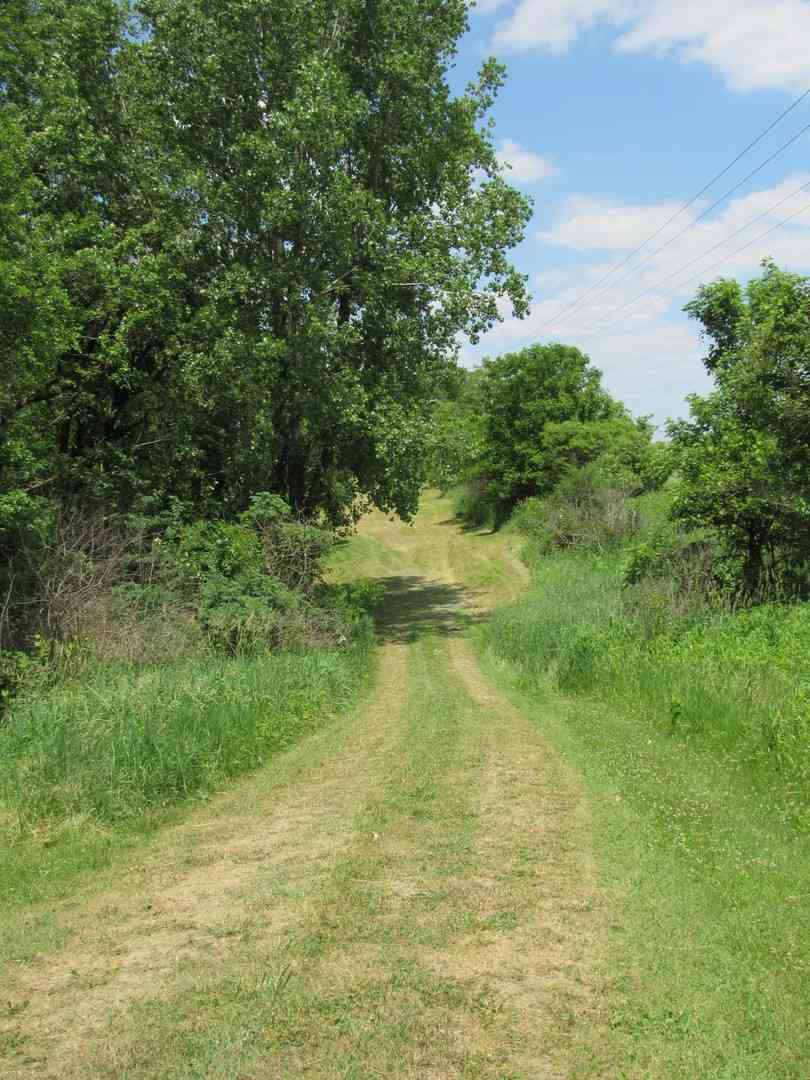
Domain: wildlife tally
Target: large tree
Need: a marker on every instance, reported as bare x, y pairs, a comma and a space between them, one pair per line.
331, 179
544, 410
268, 223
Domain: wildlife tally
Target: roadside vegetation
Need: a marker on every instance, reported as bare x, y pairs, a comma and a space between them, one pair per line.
239, 246
663, 646
173, 665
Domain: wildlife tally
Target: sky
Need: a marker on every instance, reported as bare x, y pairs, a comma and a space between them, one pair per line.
615, 113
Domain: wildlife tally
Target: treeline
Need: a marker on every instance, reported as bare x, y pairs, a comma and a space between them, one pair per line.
536, 430
237, 245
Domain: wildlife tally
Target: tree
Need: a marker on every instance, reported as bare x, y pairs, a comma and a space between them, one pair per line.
265, 229
537, 404
455, 437
344, 240
744, 457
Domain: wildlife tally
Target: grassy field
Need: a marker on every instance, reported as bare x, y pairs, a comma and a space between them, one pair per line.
693, 745
409, 891
510, 861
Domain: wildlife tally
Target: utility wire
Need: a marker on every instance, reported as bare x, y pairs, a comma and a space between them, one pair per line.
707, 270
702, 215
765, 213
683, 209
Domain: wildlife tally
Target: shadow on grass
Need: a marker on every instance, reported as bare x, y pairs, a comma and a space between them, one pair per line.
415, 605
468, 527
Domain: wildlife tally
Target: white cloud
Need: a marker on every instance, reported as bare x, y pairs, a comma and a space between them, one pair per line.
752, 44
650, 353
524, 165
590, 223
555, 24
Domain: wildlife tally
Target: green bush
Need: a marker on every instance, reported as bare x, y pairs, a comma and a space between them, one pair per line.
586, 509
253, 584
473, 503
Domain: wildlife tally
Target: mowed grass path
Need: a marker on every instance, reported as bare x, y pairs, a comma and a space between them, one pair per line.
409, 893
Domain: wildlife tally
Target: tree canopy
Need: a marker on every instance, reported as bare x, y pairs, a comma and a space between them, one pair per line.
238, 244
545, 412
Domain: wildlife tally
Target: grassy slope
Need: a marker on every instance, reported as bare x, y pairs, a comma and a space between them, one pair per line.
709, 974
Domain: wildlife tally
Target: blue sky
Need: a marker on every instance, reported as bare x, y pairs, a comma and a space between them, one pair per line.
614, 114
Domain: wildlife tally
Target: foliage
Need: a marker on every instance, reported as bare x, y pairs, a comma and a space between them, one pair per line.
587, 508
540, 414
238, 243
524, 392
744, 458
455, 438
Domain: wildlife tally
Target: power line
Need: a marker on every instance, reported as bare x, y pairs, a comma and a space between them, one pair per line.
708, 269
765, 213
685, 207
704, 213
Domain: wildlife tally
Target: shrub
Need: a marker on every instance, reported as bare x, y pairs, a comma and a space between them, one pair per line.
294, 554
256, 583
585, 510
473, 503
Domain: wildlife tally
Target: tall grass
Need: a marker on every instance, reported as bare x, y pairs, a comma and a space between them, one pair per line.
735, 682
691, 728
125, 741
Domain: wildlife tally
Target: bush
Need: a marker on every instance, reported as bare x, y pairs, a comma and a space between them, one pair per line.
584, 510
82, 587
254, 584
474, 505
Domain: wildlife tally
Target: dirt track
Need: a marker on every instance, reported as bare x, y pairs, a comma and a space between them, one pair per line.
408, 894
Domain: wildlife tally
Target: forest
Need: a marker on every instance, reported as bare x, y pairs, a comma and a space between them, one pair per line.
241, 245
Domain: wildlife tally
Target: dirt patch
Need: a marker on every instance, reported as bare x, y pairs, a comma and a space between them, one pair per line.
540, 909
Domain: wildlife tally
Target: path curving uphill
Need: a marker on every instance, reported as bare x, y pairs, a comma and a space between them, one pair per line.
409, 894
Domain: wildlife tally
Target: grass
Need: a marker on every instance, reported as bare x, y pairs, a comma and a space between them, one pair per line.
93, 765
379, 902
413, 891
734, 684
407, 958
694, 744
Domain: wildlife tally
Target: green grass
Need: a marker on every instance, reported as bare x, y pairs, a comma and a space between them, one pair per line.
694, 742
95, 765
378, 973
736, 684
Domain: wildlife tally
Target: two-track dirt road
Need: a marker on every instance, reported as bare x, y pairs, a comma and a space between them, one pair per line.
407, 894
